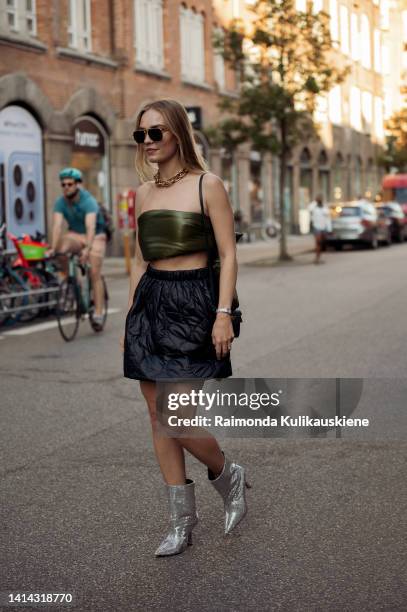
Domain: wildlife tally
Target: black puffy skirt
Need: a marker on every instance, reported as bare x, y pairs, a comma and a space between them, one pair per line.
169, 328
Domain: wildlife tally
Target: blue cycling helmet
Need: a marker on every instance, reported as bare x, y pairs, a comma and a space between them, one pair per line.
72, 173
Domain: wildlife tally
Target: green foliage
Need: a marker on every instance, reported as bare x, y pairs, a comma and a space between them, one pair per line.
283, 61
395, 154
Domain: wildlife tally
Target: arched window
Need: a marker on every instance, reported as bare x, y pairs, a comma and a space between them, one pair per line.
323, 158
305, 157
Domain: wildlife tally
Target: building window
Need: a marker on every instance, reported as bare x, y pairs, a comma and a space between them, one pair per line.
79, 28
378, 118
355, 115
219, 62
317, 6
335, 105
385, 14
367, 111
334, 26
192, 45
388, 109
354, 37
321, 109
385, 59
19, 17
148, 33
365, 37
377, 51
344, 14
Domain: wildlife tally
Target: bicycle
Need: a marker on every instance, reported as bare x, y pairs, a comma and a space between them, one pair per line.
20, 288
75, 299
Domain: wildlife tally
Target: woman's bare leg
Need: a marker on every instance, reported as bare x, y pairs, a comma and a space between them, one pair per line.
169, 452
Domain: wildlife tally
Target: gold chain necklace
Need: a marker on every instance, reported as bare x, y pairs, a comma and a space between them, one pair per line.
168, 182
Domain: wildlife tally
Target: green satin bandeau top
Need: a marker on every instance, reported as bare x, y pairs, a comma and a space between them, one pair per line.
168, 233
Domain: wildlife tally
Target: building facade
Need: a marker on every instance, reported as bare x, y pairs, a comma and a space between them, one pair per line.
76, 72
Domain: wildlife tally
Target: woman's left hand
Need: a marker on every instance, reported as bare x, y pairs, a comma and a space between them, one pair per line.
222, 335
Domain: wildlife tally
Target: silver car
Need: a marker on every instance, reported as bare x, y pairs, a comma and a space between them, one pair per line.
358, 222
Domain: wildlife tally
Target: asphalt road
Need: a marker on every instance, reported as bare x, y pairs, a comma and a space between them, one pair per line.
83, 505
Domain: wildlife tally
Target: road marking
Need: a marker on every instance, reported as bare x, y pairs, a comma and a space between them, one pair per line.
32, 329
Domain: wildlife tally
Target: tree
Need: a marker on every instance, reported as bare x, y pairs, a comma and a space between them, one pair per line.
395, 154
284, 60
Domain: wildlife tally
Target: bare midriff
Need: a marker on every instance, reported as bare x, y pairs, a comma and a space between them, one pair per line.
182, 262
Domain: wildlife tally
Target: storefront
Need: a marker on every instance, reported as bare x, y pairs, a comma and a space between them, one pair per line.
357, 185
306, 193
338, 177
324, 176
227, 174
21, 172
256, 192
90, 153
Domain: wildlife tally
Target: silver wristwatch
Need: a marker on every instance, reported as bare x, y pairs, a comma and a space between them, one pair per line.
223, 309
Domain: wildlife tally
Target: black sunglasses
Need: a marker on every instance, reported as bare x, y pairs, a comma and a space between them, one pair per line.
155, 133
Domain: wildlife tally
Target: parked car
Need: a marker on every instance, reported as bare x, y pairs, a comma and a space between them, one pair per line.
358, 223
398, 221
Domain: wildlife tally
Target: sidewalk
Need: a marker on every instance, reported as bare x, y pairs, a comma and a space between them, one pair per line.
114, 267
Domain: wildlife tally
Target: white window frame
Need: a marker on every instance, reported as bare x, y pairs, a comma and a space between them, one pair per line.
385, 60
344, 25
80, 25
148, 33
192, 28
335, 105
385, 14
367, 111
355, 108
317, 6
377, 50
334, 21
219, 64
366, 52
378, 118
321, 108
21, 16
354, 37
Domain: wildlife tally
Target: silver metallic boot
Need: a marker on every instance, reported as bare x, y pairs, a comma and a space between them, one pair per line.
183, 518
231, 485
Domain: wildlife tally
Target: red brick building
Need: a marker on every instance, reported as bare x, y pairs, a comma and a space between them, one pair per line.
83, 68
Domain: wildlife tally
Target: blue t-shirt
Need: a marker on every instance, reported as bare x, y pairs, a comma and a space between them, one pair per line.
75, 212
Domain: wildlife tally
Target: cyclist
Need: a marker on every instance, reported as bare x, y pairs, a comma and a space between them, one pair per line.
86, 231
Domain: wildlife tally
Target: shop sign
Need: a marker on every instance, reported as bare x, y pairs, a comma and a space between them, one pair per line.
195, 116
88, 138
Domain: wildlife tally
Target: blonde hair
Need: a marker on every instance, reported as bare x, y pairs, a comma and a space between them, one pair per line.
177, 121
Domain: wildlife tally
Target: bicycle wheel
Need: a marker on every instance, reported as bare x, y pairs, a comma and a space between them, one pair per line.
98, 326
29, 280
6, 302
67, 309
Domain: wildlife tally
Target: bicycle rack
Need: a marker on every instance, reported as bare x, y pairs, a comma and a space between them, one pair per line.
28, 294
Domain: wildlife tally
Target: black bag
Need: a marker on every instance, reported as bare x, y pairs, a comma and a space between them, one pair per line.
108, 219
214, 272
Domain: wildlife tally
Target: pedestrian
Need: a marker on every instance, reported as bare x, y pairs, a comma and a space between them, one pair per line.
321, 225
172, 332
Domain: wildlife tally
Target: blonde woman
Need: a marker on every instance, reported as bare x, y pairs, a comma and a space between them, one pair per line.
171, 331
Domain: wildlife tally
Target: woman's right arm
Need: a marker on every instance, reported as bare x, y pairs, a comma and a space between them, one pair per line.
138, 266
